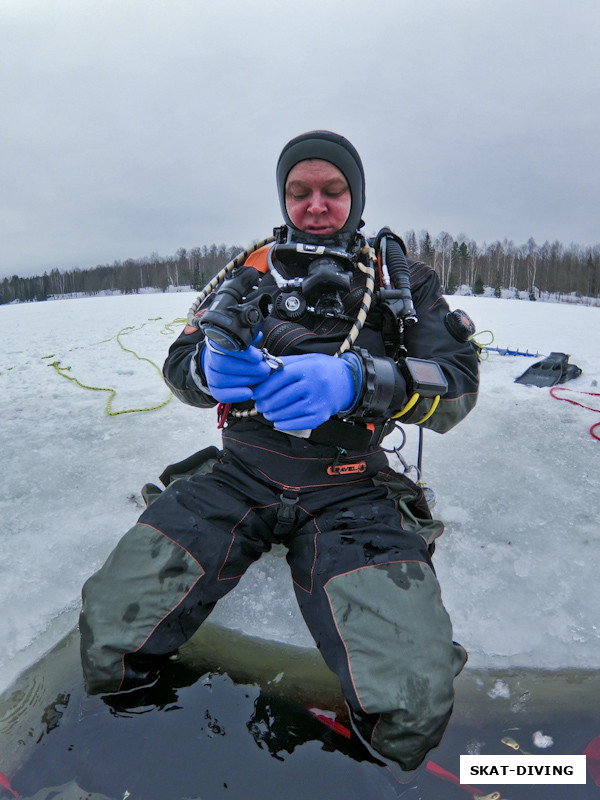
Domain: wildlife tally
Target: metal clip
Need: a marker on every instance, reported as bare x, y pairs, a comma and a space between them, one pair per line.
274, 362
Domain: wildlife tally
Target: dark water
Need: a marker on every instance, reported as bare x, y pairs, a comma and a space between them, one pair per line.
205, 734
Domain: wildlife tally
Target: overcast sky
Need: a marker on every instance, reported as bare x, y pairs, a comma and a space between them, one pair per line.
129, 127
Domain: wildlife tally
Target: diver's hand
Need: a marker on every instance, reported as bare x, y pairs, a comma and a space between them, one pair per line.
230, 376
307, 391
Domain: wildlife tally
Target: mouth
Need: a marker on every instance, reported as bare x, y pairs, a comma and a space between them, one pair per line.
319, 229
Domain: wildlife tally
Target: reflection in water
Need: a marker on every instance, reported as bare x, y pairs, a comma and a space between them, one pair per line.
205, 733
191, 736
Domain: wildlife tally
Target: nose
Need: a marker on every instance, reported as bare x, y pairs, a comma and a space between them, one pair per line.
317, 204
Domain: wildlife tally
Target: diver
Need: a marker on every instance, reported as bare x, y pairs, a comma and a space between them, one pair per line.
333, 339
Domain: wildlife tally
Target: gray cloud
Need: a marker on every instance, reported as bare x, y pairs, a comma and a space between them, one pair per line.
135, 127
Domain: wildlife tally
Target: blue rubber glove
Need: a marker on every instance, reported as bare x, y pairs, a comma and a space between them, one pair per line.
309, 390
230, 376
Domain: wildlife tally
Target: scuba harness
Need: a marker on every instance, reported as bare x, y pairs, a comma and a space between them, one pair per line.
230, 319
231, 308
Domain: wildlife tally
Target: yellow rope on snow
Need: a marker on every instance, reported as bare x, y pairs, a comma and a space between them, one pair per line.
168, 326
112, 392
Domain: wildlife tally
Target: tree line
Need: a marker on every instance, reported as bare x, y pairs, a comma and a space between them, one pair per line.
538, 270
192, 268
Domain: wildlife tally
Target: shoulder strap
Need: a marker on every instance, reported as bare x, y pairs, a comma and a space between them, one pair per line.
259, 259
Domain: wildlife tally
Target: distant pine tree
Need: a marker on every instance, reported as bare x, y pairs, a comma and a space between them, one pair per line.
426, 252
411, 243
452, 283
498, 285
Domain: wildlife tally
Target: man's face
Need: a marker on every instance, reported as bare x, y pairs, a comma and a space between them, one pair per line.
317, 197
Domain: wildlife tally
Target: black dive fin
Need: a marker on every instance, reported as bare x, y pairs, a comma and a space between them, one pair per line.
554, 369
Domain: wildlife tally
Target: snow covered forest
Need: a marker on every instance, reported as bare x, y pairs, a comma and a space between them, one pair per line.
538, 271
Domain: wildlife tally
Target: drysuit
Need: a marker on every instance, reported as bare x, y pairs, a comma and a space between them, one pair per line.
358, 534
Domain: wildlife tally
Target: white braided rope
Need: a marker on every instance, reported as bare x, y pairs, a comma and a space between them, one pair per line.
368, 269
221, 275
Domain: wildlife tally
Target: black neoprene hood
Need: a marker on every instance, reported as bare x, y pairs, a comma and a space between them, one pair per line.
336, 149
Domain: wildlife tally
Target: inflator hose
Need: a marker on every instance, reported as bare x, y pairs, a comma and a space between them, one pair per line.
399, 274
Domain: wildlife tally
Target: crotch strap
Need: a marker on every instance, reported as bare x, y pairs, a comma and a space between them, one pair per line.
287, 513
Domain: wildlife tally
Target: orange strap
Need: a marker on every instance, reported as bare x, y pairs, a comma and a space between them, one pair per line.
259, 259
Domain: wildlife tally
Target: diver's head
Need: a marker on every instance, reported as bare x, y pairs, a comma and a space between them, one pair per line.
321, 184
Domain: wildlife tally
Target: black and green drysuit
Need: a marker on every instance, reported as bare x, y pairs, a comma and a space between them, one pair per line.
358, 534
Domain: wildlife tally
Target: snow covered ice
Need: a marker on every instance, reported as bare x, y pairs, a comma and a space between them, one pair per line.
517, 482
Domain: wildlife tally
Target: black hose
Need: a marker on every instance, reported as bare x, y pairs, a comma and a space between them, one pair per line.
399, 273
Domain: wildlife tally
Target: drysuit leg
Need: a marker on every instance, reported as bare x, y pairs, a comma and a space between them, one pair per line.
188, 549
370, 597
